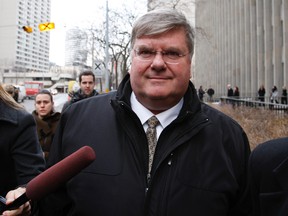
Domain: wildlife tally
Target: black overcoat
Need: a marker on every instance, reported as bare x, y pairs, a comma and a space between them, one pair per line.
21, 157
199, 168
268, 170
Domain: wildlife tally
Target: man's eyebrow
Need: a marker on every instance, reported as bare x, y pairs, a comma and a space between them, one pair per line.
165, 49
144, 47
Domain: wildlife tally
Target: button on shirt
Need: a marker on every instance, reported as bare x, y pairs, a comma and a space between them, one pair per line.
165, 118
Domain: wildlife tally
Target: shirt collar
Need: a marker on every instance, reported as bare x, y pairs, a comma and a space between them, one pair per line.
165, 118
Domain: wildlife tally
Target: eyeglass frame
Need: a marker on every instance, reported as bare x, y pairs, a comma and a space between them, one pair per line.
163, 54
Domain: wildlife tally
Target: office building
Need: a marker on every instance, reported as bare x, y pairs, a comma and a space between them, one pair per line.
21, 51
242, 43
76, 51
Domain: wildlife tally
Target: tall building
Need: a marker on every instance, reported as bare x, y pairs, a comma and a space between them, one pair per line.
21, 51
244, 43
76, 47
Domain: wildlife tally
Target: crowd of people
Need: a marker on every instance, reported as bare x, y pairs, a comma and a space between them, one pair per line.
234, 93
160, 150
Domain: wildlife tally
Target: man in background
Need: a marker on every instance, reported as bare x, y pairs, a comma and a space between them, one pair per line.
87, 84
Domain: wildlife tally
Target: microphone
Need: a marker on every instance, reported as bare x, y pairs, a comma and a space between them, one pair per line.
52, 178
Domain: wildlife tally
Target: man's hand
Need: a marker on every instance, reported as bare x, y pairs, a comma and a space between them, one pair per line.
23, 210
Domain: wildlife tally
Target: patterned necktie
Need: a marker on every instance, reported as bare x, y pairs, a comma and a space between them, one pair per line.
151, 134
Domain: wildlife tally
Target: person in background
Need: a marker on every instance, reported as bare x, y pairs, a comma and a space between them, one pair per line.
236, 92
21, 157
229, 91
210, 93
201, 93
87, 84
261, 93
160, 151
10, 89
16, 93
284, 95
46, 119
268, 176
274, 95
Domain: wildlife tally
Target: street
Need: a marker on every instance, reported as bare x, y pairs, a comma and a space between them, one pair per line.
59, 100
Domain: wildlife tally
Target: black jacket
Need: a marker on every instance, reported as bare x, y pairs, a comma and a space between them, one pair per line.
269, 178
21, 157
77, 96
199, 168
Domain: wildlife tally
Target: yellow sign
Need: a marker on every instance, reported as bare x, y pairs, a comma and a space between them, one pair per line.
46, 26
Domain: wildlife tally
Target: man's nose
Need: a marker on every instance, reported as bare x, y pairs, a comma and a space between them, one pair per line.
158, 62
159, 57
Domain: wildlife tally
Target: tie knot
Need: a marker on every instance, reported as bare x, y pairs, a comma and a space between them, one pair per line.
153, 122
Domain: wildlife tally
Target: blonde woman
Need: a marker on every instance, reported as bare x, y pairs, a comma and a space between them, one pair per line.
21, 157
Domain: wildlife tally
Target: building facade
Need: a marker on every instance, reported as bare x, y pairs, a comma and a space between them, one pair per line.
242, 43
21, 51
76, 47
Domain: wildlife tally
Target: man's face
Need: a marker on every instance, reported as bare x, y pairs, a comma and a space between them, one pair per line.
87, 84
157, 84
43, 105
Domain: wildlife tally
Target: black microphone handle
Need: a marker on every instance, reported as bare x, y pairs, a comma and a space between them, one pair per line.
15, 204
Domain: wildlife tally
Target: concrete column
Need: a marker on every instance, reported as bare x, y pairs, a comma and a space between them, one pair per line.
285, 39
253, 39
260, 42
237, 43
277, 43
230, 41
226, 44
233, 41
215, 66
218, 47
269, 78
222, 87
247, 48
242, 45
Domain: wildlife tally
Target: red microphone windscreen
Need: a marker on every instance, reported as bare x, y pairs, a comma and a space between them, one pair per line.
60, 173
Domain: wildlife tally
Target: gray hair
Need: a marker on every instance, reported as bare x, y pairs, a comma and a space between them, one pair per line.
163, 20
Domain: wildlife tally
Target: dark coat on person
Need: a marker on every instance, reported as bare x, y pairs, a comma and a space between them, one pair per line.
77, 96
210, 92
201, 93
199, 167
21, 157
261, 94
230, 92
269, 178
46, 128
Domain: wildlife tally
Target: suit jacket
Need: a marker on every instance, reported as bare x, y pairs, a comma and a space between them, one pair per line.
268, 171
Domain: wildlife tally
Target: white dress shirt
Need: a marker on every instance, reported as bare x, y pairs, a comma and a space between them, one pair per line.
165, 118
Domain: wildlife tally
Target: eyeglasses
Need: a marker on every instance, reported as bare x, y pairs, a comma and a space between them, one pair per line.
169, 57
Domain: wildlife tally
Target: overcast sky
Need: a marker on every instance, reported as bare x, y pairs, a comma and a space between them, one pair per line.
69, 13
